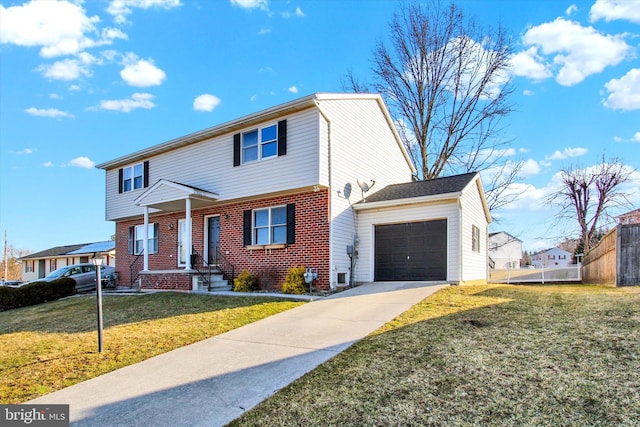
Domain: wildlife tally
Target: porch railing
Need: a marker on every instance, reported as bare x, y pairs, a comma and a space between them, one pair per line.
227, 269
201, 266
134, 269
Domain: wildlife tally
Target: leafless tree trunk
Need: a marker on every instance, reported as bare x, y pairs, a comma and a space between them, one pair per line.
587, 195
446, 83
13, 266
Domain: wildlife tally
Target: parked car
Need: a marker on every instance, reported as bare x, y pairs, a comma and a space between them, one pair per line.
10, 283
83, 274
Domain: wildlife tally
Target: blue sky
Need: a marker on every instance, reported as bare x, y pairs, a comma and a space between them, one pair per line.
82, 83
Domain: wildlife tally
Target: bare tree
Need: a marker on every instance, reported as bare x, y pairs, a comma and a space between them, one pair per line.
446, 83
587, 196
13, 266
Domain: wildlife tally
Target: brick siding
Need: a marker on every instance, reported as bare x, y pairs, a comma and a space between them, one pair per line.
311, 247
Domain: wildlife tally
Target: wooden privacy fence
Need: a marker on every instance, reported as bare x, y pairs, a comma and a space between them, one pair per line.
616, 259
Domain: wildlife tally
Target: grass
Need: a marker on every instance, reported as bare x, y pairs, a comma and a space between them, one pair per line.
481, 355
51, 346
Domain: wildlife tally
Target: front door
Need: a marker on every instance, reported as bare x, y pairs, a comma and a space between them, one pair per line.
182, 242
213, 228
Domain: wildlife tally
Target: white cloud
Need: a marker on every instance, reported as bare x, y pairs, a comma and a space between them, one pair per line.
568, 152
577, 51
571, 10
529, 168
610, 10
121, 8
137, 100
293, 89
206, 102
26, 151
51, 112
617, 139
624, 93
141, 73
264, 31
74, 88
528, 92
298, 13
529, 64
636, 137
59, 28
251, 4
54, 96
82, 162
67, 69
47, 164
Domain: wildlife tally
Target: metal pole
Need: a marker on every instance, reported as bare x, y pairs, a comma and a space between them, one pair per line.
99, 306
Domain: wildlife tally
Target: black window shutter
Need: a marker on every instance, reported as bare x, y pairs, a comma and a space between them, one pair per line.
120, 178
246, 237
236, 149
282, 137
132, 238
145, 171
291, 223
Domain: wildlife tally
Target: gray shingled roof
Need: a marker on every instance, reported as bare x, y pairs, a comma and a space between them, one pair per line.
81, 248
431, 187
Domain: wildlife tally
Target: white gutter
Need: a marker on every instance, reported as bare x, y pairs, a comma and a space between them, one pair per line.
407, 201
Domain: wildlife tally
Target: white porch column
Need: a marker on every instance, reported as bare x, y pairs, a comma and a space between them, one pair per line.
188, 237
145, 242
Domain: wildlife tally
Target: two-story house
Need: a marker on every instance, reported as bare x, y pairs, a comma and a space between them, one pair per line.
551, 258
505, 250
323, 181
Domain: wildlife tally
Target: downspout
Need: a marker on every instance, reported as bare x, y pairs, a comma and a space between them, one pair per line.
326, 118
460, 233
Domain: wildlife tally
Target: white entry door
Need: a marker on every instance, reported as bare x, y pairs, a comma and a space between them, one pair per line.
182, 239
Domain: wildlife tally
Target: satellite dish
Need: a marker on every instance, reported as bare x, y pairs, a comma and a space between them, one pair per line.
364, 187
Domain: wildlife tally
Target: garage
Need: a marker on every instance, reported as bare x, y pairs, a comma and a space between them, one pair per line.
413, 251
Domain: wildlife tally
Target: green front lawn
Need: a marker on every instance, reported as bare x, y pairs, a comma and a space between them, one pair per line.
51, 346
481, 356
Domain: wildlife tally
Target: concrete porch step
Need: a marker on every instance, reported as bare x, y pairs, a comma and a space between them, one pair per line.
216, 283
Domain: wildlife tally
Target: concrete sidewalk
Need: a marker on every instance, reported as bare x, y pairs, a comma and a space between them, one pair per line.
212, 382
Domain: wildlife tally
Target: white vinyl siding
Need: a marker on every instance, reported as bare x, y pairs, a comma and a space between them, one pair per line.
368, 219
474, 263
208, 165
362, 147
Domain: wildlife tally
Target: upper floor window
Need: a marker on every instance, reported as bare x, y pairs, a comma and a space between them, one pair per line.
133, 177
262, 143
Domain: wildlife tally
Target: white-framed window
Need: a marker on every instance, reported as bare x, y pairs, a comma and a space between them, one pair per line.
475, 238
259, 144
270, 225
29, 266
136, 239
132, 177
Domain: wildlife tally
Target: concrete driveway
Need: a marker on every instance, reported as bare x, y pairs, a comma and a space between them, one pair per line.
212, 382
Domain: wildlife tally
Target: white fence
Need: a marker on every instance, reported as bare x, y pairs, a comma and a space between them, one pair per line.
537, 275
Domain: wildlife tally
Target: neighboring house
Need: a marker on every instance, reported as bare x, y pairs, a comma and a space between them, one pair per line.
39, 264
551, 258
284, 187
505, 251
632, 217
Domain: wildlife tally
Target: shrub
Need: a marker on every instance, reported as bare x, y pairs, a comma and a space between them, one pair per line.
36, 293
246, 282
294, 282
